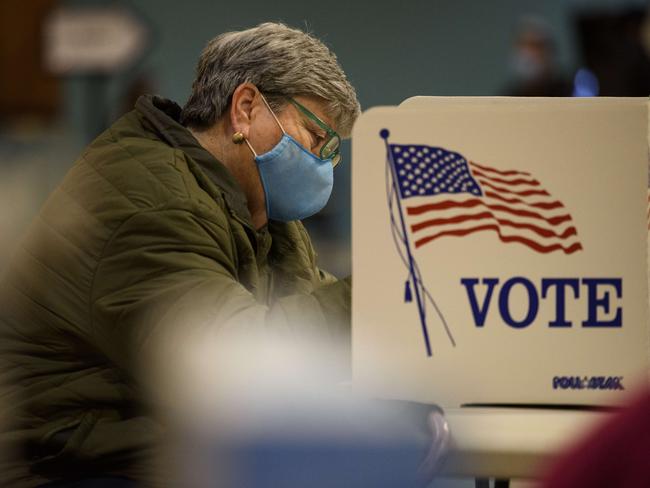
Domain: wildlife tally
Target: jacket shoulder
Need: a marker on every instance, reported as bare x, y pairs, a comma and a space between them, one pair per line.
143, 169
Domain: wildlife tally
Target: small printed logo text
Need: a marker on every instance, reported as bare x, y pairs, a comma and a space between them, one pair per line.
588, 383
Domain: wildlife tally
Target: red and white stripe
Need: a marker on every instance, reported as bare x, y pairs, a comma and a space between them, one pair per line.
515, 206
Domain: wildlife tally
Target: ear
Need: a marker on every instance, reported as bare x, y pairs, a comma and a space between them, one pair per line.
244, 100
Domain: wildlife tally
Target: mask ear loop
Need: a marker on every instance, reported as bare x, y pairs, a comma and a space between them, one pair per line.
250, 147
274, 116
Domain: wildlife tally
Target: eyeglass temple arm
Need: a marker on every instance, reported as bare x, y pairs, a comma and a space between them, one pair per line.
272, 113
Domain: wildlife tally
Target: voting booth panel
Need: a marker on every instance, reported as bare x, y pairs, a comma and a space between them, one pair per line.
500, 250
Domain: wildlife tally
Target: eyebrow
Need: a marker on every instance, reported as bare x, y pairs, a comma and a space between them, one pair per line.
316, 121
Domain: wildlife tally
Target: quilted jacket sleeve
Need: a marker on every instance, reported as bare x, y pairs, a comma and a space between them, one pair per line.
168, 277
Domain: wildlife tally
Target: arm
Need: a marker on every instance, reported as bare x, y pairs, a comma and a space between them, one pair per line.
168, 276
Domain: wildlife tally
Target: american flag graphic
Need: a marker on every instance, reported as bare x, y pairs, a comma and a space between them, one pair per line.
444, 194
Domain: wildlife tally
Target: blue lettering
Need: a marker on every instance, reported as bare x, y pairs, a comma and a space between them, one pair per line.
504, 298
479, 313
603, 297
594, 302
560, 285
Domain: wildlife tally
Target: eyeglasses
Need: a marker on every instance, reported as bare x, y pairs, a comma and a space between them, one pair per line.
332, 144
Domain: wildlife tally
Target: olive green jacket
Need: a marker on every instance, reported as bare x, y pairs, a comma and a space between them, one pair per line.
146, 229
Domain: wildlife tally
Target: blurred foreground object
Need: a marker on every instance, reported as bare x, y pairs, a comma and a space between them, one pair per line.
616, 453
280, 420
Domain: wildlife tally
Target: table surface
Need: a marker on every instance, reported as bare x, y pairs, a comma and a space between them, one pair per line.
511, 442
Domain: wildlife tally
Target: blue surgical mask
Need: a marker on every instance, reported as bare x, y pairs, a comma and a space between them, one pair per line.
297, 184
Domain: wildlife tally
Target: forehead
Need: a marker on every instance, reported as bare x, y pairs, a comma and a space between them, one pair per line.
317, 106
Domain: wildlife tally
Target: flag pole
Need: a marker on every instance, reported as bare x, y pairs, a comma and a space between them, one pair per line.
384, 133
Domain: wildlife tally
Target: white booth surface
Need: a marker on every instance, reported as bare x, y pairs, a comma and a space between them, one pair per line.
500, 251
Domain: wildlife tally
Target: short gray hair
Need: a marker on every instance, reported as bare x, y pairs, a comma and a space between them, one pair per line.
282, 62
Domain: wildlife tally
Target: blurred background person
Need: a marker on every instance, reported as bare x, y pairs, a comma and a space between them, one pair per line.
534, 68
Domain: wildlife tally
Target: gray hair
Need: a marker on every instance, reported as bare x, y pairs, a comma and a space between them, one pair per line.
282, 62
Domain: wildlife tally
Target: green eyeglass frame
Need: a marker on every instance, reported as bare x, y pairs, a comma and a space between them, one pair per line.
332, 145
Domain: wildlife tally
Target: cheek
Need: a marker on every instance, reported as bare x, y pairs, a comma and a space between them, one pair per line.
301, 135
305, 140
263, 138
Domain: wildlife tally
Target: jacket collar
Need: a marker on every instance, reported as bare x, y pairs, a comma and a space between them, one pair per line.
164, 116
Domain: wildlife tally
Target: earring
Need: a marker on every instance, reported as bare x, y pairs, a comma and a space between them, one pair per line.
238, 138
